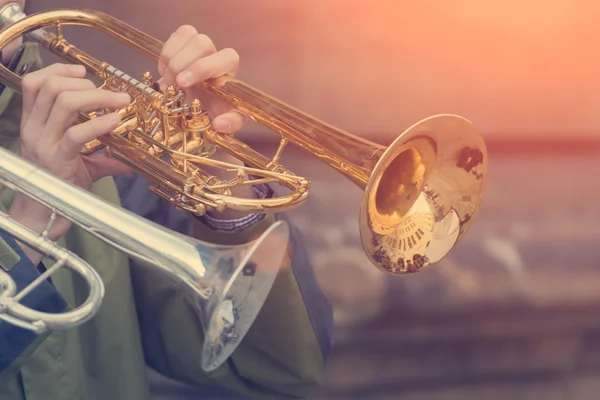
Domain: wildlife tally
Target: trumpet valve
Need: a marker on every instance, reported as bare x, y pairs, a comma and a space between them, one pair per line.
196, 108
170, 93
196, 119
147, 78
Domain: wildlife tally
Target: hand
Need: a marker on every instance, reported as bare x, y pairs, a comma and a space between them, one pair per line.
52, 99
189, 58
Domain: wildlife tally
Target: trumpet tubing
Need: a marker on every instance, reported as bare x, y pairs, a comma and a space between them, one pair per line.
227, 285
421, 193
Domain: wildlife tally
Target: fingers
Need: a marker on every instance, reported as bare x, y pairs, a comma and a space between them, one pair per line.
51, 89
189, 58
69, 103
172, 46
33, 82
230, 122
196, 48
76, 136
224, 62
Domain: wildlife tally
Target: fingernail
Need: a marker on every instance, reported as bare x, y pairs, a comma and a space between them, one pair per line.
76, 67
184, 78
222, 125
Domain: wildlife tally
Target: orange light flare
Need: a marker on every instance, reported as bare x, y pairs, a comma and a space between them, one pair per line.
513, 67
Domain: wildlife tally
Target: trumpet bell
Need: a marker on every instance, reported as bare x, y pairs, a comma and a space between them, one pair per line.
238, 282
226, 285
422, 194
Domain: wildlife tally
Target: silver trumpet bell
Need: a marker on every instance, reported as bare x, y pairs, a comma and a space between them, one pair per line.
227, 285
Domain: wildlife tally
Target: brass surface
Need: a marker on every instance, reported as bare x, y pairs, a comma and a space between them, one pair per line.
421, 192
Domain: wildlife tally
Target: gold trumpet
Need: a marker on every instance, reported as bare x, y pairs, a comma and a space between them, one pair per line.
421, 192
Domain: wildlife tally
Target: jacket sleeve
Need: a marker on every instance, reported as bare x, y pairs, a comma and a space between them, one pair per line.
16, 343
284, 353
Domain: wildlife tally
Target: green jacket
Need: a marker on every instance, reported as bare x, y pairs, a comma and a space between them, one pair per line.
144, 322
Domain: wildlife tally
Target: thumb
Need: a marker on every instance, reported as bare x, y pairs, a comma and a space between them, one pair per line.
230, 122
101, 165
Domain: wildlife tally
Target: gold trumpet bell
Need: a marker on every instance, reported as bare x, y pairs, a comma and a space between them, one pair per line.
422, 194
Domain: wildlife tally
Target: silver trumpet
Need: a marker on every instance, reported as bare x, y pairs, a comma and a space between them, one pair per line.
227, 284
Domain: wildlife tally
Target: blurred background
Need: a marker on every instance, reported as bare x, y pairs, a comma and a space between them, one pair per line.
513, 313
